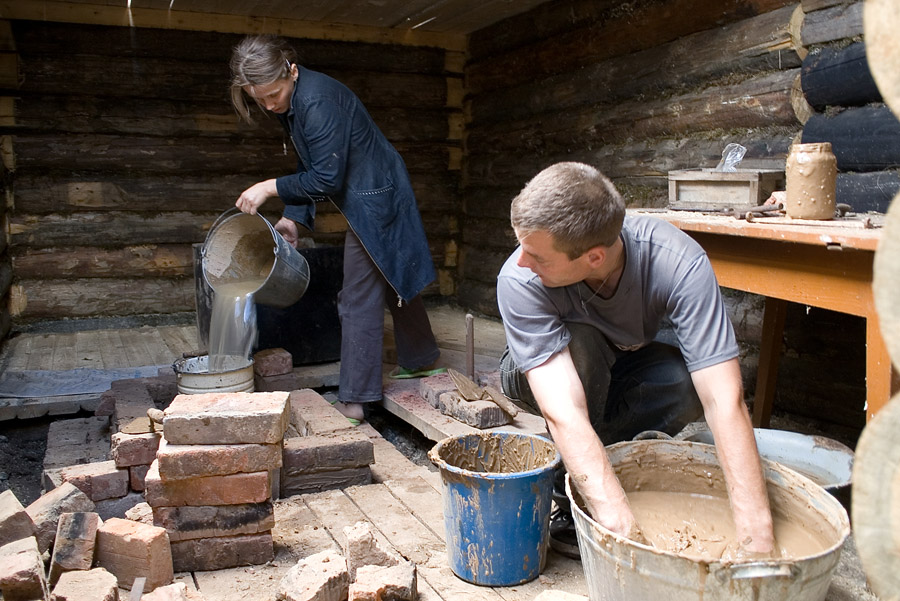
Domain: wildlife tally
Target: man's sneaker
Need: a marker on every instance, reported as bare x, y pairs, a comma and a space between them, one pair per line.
563, 538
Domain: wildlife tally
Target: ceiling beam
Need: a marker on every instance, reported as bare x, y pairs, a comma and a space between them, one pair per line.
105, 14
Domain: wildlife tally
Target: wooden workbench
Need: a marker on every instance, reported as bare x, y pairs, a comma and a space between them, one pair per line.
821, 264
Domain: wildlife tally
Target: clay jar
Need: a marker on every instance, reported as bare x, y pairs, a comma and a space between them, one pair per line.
810, 176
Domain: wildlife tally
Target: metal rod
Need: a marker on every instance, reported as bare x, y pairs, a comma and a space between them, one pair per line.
470, 346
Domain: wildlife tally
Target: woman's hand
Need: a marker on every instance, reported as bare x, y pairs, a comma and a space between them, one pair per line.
253, 197
288, 230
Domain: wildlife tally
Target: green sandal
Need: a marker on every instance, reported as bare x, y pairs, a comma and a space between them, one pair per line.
353, 421
401, 373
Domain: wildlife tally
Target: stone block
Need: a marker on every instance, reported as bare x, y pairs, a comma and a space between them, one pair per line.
227, 418
131, 549
385, 583
301, 484
233, 489
179, 461
133, 449
311, 414
99, 481
76, 441
15, 523
343, 449
136, 476
22, 571
324, 375
319, 577
272, 362
211, 521
224, 552
361, 549
74, 545
89, 585
478, 414
47, 508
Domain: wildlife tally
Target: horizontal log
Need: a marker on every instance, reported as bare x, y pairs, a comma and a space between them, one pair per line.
482, 264
478, 296
65, 192
151, 260
47, 38
61, 299
863, 139
6, 276
212, 156
831, 24
755, 102
122, 77
621, 32
483, 202
174, 118
544, 21
486, 233
866, 192
838, 77
757, 44
644, 159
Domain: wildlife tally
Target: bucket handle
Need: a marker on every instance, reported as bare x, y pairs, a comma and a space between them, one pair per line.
746, 571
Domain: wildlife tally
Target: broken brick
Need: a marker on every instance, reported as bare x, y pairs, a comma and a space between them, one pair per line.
385, 583
272, 362
131, 549
22, 571
319, 577
74, 545
133, 449
86, 585
15, 523
99, 481
47, 508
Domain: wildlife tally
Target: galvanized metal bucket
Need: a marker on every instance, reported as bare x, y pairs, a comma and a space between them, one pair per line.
192, 375
826, 462
618, 569
242, 247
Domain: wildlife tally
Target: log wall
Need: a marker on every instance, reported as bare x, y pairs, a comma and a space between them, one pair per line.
127, 149
635, 89
845, 106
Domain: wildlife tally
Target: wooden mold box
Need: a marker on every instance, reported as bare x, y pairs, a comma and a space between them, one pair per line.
706, 189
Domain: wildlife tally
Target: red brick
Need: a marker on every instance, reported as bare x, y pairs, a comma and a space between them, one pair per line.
136, 476
320, 576
196, 460
227, 418
222, 552
361, 549
132, 401
15, 523
385, 583
45, 511
185, 523
89, 585
22, 571
432, 387
311, 414
301, 484
232, 489
272, 362
133, 449
131, 549
309, 454
99, 481
74, 545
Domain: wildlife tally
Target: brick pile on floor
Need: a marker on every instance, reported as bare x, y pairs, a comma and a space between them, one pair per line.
211, 484
90, 559
367, 571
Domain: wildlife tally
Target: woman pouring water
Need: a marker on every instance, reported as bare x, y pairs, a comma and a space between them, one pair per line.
344, 158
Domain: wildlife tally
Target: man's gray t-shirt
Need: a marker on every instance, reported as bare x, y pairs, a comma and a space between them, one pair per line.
667, 275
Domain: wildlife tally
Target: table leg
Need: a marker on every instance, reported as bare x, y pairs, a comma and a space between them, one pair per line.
769, 354
881, 378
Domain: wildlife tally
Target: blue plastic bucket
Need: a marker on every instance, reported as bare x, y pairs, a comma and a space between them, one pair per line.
497, 491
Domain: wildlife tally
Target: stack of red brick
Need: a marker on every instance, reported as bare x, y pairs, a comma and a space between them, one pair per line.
211, 485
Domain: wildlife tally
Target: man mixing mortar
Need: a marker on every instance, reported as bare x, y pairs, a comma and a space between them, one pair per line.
582, 300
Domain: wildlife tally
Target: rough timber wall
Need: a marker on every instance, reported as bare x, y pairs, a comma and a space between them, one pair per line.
127, 149
636, 89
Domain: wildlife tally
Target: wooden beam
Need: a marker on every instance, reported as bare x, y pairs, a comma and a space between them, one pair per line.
103, 14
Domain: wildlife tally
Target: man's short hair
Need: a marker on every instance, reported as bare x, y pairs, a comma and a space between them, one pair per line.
574, 203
